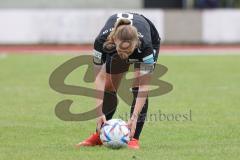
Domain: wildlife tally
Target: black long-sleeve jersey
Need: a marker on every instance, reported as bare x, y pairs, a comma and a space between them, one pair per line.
148, 35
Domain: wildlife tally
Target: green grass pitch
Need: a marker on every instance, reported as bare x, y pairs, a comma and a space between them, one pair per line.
209, 86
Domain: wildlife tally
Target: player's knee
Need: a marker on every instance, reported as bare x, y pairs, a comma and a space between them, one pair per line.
109, 87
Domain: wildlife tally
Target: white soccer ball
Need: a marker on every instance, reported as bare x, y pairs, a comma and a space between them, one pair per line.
115, 134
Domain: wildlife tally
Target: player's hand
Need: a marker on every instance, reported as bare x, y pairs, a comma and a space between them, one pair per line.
100, 121
132, 123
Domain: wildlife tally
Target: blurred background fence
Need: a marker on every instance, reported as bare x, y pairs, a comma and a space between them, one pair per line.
79, 21
181, 4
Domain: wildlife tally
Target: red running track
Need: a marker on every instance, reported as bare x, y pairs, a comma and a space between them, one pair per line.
80, 48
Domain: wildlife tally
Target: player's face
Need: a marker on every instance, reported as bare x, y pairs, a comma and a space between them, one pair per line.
126, 47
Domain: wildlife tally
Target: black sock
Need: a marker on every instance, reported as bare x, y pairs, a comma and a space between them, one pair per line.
109, 104
142, 116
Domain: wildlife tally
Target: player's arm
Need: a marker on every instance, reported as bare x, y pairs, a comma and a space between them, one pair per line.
99, 82
99, 73
145, 72
146, 69
144, 80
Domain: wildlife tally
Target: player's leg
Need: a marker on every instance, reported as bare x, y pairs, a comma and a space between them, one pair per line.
109, 78
115, 69
110, 94
99, 62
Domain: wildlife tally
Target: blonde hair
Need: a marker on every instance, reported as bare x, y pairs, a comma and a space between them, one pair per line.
125, 32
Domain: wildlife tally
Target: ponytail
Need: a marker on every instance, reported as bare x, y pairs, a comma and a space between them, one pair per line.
109, 44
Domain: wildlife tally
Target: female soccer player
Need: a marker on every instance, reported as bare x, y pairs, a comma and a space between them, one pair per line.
126, 38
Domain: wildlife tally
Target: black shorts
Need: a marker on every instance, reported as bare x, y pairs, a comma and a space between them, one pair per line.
115, 65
